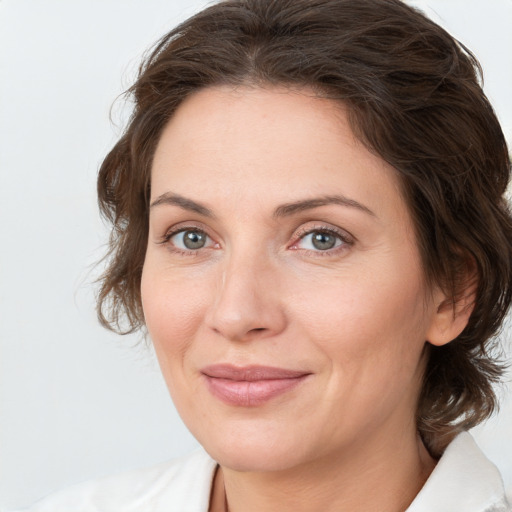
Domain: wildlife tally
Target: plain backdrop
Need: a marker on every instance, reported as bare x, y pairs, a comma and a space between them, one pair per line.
76, 401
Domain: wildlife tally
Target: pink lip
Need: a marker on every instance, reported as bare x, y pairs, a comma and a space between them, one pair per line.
250, 386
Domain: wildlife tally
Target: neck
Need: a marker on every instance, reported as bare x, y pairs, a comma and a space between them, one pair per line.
375, 476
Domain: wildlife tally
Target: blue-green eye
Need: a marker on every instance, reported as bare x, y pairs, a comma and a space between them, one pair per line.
320, 240
190, 239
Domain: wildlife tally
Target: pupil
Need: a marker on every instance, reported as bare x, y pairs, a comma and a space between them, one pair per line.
194, 240
323, 241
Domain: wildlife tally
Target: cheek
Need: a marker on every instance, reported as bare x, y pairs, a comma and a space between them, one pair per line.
373, 337
173, 310
368, 322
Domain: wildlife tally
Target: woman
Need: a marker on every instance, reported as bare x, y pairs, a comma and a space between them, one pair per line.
308, 219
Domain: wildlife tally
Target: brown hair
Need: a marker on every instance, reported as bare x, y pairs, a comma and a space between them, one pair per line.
414, 98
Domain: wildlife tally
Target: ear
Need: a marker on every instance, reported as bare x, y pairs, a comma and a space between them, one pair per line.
451, 315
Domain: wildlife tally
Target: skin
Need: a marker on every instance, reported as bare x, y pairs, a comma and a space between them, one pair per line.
356, 317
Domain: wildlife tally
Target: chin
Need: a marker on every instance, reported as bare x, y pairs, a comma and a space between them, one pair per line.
262, 452
255, 459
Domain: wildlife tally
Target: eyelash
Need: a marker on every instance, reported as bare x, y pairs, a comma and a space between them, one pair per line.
180, 229
345, 238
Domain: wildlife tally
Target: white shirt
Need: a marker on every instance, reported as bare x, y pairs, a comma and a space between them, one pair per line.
464, 480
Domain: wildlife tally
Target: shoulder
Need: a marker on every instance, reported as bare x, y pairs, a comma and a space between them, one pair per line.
181, 485
464, 479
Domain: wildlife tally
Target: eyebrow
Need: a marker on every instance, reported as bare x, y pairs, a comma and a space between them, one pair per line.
186, 204
308, 204
284, 210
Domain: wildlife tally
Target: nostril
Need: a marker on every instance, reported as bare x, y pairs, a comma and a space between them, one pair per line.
256, 332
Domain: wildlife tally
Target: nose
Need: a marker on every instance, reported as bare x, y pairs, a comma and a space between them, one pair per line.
248, 303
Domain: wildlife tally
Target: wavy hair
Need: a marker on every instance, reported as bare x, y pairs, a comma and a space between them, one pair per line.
414, 98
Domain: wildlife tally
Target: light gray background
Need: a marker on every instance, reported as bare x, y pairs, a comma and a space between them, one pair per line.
77, 402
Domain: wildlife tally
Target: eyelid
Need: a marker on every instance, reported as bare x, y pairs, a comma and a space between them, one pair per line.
174, 230
346, 238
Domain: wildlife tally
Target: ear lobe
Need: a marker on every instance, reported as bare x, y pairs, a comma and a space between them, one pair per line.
451, 315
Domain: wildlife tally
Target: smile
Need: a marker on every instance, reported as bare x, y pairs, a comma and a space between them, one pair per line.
250, 386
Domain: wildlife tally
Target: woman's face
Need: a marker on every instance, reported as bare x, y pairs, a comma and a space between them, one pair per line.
282, 285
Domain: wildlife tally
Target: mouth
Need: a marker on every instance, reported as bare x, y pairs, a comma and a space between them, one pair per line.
250, 386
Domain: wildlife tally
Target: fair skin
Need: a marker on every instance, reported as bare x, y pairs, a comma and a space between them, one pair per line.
241, 271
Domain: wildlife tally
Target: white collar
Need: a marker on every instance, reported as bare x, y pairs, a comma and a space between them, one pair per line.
464, 480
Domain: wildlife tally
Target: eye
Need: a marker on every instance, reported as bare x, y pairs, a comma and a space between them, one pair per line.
189, 239
322, 240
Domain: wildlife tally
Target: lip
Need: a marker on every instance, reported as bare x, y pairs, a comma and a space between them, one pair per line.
250, 386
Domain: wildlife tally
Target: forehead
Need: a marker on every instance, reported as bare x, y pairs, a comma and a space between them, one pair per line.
268, 145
